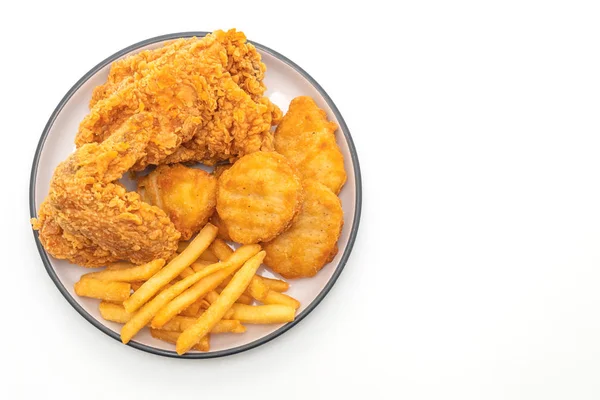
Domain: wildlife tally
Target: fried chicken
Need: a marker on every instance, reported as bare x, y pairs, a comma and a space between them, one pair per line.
225, 118
187, 195
91, 220
307, 139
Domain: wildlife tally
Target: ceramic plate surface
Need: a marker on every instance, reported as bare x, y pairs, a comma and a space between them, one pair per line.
284, 80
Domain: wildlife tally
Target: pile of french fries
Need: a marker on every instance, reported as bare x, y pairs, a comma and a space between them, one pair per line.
207, 288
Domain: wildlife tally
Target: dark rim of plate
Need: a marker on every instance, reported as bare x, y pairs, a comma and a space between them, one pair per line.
234, 350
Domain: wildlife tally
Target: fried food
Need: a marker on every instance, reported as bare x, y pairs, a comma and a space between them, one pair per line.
205, 285
132, 274
269, 314
103, 290
307, 139
218, 222
311, 241
89, 219
258, 197
187, 195
205, 93
171, 270
217, 310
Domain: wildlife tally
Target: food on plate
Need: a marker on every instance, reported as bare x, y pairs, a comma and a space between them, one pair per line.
149, 309
179, 324
218, 222
131, 274
187, 195
276, 284
207, 284
203, 113
307, 139
90, 220
311, 241
258, 197
114, 312
167, 264
171, 337
219, 308
268, 314
103, 290
171, 270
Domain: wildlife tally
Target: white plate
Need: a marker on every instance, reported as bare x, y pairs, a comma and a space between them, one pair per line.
284, 80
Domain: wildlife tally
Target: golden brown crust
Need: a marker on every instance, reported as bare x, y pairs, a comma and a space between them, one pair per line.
206, 93
187, 195
90, 220
311, 242
258, 197
307, 139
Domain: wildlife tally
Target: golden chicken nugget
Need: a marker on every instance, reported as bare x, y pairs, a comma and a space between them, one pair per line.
311, 241
258, 197
307, 139
187, 195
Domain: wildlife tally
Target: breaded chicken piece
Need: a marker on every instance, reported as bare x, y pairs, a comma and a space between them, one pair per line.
258, 197
187, 195
238, 121
85, 210
180, 90
307, 139
311, 241
243, 63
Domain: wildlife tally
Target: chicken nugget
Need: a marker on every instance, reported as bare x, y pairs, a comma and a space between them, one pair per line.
187, 195
258, 197
307, 139
311, 241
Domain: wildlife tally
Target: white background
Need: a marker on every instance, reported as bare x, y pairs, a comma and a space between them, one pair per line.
476, 273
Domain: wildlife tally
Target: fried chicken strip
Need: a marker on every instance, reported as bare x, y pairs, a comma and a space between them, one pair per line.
89, 219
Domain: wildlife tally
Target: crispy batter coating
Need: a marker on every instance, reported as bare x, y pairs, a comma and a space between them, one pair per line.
311, 241
179, 89
90, 220
223, 233
187, 195
307, 139
225, 115
258, 197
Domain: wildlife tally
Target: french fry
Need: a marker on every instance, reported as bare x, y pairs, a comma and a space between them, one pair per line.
193, 310
103, 290
276, 284
218, 309
221, 249
148, 310
171, 337
211, 296
204, 286
269, 314
135, 273
258, 289
172, 269
244, 299
208, 256
136, 285
186, 272
119, 265
179, 324
114, 312
199, 265
274, 297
